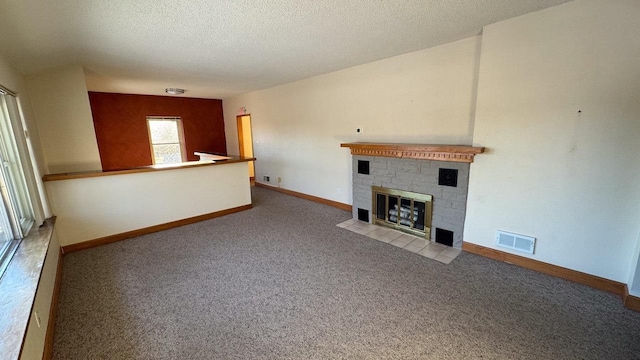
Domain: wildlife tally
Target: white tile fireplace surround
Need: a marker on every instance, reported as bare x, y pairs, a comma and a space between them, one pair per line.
402, 167
420, 246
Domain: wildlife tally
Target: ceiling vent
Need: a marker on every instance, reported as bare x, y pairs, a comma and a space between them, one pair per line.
515, 242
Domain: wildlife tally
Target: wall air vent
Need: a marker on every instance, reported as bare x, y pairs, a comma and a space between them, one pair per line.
363, 167
363, 215
515, 242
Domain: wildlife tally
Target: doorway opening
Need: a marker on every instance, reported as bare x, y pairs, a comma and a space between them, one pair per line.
245, 141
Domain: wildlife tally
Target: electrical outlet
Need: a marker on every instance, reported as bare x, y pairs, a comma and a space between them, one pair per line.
359, 130
265, 178
35, 314
279, 179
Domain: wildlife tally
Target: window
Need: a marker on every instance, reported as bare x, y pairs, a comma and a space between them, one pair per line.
167, 140
16, 213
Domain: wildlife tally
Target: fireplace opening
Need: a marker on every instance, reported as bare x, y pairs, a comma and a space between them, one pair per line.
402, 210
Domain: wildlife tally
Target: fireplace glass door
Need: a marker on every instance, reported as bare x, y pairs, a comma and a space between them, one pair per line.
402, 210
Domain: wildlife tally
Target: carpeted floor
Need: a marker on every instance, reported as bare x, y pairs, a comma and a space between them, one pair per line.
281, 281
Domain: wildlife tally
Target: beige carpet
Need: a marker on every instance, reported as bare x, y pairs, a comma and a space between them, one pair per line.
281, 281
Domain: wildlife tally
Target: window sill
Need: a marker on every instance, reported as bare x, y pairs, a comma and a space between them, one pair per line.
18, 288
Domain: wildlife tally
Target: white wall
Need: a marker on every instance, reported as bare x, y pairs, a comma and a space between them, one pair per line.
569, 178
95, 207
63, 115
426, 96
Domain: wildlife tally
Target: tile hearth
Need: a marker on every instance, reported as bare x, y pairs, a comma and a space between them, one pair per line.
420, 246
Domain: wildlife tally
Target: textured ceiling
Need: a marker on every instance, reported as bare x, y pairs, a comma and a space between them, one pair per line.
216, 48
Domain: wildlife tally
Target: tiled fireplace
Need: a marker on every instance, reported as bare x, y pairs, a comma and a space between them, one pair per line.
442, 176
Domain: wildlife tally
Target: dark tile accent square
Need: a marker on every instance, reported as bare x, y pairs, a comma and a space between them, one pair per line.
448, 177
363, 215
444, 237
363, 167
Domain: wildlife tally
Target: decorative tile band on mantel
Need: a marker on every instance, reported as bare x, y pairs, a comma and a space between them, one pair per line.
455, 153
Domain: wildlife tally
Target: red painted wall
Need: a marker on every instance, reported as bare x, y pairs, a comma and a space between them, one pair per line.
120, 121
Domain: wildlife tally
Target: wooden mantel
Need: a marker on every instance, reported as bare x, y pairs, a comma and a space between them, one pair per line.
457, 153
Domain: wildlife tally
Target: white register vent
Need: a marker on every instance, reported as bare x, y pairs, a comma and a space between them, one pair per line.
515, 241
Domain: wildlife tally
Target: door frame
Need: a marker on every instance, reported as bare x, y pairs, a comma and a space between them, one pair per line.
241, 144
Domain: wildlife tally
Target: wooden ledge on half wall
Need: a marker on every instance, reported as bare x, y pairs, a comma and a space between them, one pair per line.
95, 210
141, 169
456, 153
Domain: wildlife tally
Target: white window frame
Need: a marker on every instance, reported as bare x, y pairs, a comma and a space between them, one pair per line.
178, 121
14, 191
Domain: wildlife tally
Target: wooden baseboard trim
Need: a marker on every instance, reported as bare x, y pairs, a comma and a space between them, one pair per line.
630, 301
151, 229
335, 204
549, 269
53, 311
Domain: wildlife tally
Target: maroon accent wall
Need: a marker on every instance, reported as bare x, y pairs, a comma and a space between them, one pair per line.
120, 121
